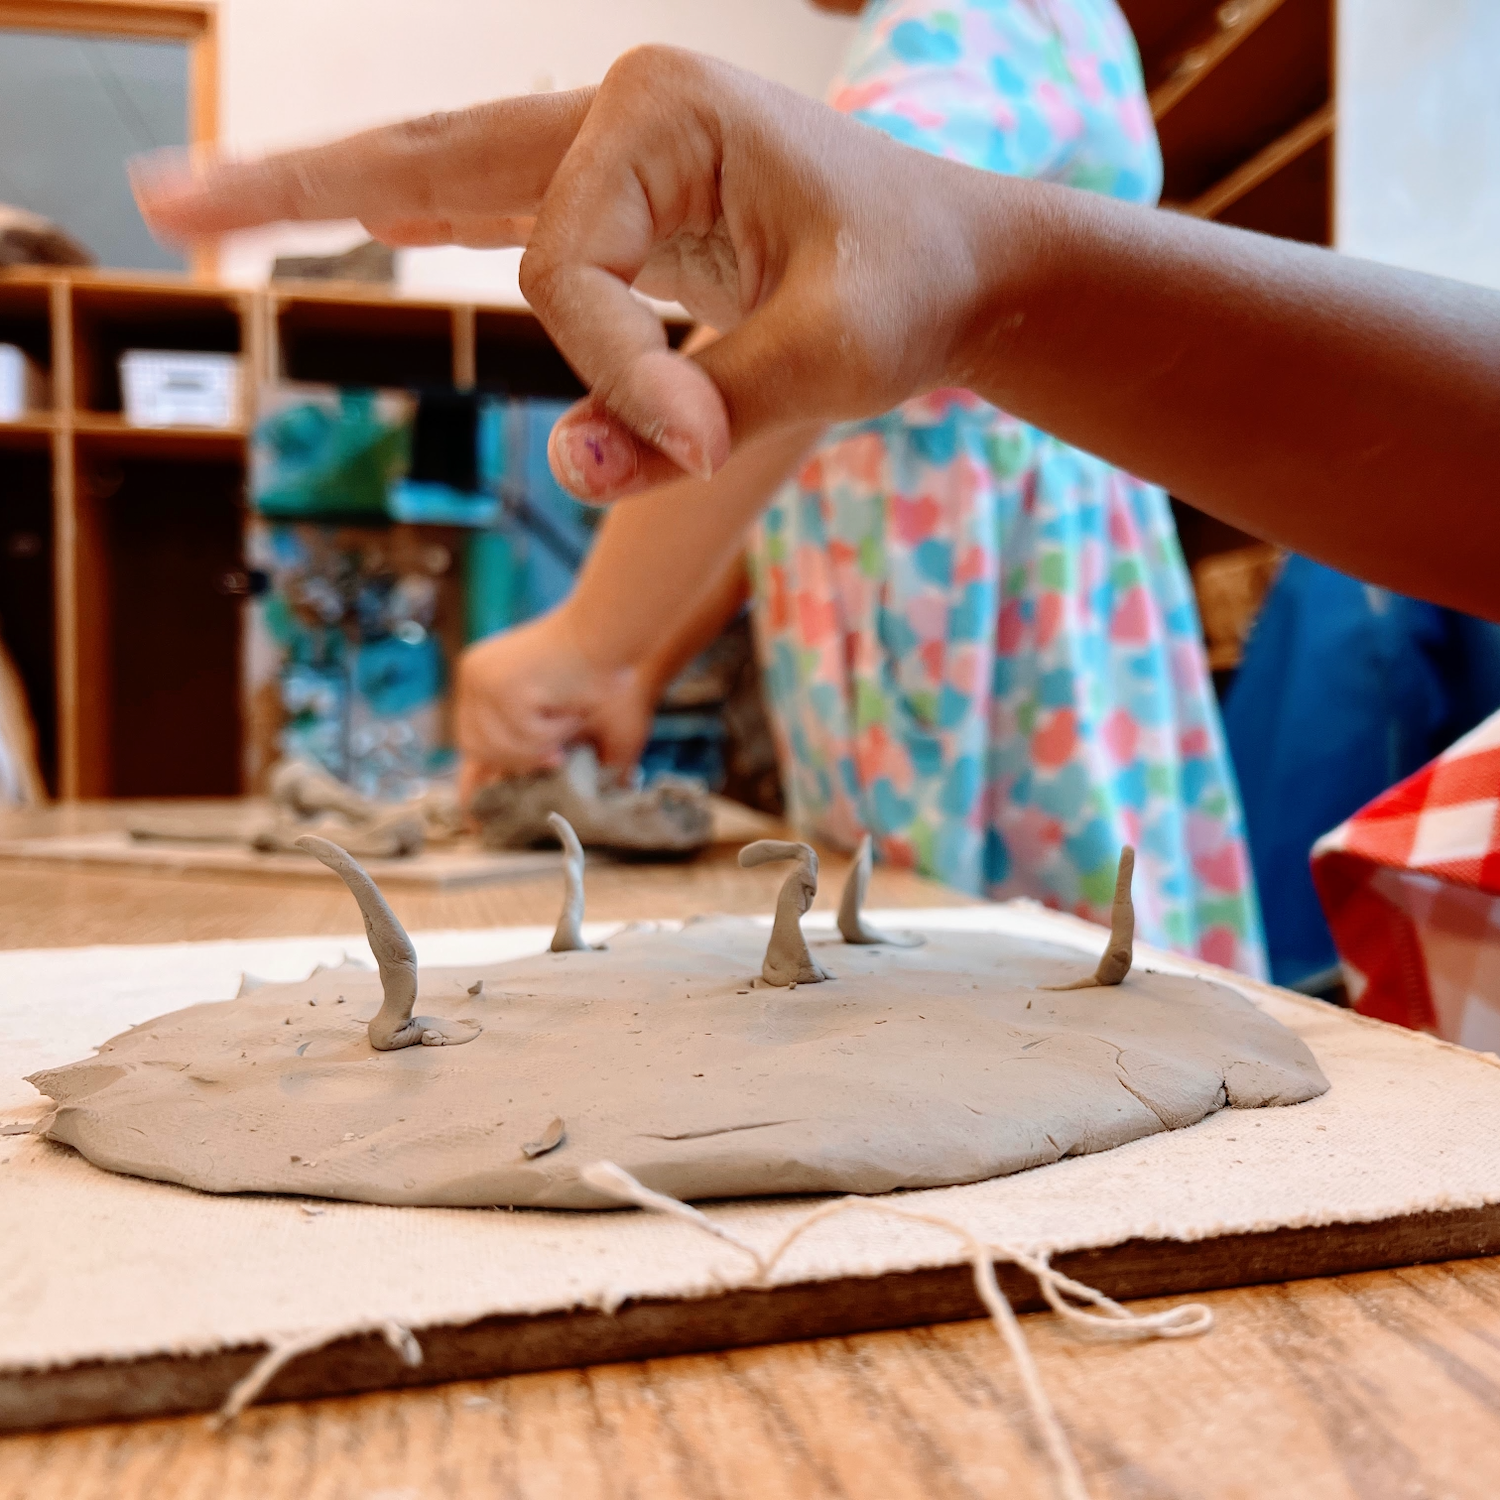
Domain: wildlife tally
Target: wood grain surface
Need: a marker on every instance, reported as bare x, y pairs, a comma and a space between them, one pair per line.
1381, 1386
46, 906
1374, 1387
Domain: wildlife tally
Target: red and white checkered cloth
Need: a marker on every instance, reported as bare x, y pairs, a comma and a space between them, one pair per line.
1411, 888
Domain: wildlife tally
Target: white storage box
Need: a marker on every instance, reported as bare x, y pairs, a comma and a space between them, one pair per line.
172, 388
23, 387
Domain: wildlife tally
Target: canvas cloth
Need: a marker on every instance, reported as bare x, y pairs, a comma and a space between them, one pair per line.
1411, 888
98, 1266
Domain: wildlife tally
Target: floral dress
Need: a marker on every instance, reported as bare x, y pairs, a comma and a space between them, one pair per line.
979, 643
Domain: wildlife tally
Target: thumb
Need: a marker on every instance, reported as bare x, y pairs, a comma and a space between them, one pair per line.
667, 413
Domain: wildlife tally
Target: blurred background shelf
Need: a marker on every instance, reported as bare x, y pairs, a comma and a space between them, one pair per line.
122, 548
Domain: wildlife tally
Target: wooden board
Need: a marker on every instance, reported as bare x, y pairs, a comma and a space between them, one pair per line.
440, 869
494, 1346
433, 869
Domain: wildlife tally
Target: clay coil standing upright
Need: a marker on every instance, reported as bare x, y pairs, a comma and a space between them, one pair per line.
1119, 952
393, 1026
787, 960
852, 924
568, 937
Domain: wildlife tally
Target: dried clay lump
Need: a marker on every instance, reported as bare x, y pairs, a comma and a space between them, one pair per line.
707, 1062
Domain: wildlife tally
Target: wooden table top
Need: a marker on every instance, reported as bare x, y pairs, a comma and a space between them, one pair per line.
44, 905
1380, 1386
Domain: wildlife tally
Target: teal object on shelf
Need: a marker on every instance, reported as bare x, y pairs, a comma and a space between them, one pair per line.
493, 584
332, 458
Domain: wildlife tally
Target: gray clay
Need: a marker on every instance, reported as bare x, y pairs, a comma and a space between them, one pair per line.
393, 1026
787, 960
549, 1140
305, 799
568, 937
1119, 951
670, 817
852, 924
305, 790
398, 833
919, 1068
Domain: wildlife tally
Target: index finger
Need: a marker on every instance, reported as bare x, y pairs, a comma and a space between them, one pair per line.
492, 161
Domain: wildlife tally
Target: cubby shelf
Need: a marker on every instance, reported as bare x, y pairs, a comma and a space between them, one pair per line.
1242, 94
116, 541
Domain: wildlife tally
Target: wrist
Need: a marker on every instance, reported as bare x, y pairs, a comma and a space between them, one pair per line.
1007, 226
597, 650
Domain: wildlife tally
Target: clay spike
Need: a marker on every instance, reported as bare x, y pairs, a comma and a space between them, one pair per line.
1119, 952
393, 1026
568, 938
787, 960
852, 922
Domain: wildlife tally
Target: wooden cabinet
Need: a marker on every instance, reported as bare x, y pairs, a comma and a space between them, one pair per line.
1242, 96
121, 576
122, 581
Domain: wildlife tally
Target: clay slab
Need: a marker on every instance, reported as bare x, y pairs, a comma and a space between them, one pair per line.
667, 1054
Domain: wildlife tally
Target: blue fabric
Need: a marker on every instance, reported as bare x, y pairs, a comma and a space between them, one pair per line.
1344, 690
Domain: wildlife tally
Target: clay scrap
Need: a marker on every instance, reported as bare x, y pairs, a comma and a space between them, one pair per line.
965, 1059
305, 799
670, 817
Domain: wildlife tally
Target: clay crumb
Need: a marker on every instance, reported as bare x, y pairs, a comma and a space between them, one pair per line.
339, 1001
550, 1139
477, 988
287, 1022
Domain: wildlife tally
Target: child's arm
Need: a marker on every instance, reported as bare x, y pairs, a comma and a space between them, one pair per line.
1347, 410
659, 583
659, 554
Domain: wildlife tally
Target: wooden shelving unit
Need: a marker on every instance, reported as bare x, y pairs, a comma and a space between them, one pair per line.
1242, 93
121, 548
121, 566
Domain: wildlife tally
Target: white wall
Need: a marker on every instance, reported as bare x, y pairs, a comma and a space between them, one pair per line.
1418, 142
297, 71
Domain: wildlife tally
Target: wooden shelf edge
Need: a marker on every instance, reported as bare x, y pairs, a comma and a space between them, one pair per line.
32, 421
1264, 165
111, 424
1199, 62
176, 20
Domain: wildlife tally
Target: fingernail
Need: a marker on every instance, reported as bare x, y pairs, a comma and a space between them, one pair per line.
592, 458
687, 453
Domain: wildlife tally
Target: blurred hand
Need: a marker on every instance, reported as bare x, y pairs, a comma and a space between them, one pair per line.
525, 696
840, 266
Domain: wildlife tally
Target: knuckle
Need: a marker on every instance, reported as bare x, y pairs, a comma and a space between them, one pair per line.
428, 130
637, 63
538, 275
